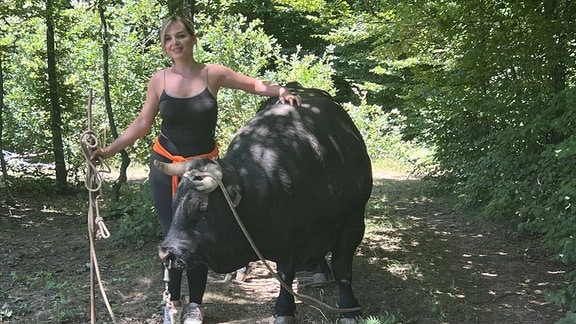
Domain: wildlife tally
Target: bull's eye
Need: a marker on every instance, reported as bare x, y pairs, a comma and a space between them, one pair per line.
204, 206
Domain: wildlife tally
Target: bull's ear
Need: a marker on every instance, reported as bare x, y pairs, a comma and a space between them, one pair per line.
235, 195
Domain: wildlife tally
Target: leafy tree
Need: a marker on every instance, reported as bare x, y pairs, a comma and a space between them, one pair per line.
2, 50
6, 10
4, 183
489, 84
106, 84
55, 107
184, 7
131, 35
22, 78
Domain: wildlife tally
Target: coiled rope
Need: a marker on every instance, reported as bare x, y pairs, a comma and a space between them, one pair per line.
93, 183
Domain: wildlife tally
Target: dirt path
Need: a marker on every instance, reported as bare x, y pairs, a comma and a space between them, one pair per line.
420, 262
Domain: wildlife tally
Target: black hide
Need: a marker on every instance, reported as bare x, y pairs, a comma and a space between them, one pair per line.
302, 177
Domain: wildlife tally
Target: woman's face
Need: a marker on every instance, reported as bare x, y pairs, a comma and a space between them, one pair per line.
178, 43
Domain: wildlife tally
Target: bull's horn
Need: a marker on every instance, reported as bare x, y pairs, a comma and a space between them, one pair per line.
172, 169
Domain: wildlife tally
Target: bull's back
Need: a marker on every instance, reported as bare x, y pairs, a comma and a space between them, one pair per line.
313, 145
305, 171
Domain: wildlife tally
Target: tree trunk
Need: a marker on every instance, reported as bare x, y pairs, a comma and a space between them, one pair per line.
556, 48
106, 77
182, 7
2, 161
55, 113
557, 55
6, 187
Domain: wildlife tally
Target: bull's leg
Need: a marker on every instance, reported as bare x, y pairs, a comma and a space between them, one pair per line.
322, 274
285, 307
342, 271
342, 256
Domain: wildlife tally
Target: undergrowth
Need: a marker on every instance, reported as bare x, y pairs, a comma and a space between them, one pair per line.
136, 215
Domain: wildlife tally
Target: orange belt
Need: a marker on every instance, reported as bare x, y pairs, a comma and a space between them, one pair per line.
158, 148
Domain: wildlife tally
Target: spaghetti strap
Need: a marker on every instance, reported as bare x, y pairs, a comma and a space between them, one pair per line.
208, 85
164, 86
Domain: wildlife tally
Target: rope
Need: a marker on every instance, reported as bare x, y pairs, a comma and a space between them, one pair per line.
310, 300
166, 294
93, 183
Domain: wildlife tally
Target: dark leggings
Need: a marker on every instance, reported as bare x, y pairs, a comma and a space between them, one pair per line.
161, 186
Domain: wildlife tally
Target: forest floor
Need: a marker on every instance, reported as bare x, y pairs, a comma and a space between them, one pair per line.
421, 261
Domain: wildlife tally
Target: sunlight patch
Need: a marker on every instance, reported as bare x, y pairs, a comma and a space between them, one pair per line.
487, 274
404, 271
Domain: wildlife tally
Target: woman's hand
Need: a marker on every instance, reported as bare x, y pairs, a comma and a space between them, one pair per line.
100, 153
288, 96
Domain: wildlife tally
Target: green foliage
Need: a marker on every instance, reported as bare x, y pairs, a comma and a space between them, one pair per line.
565, 297
133, 27
294, 23
5, 312
135, 54
382, 131
33, 186
309, 70
46, 283
21, 100
383, 319
244, 47
490, 86
137, 220
568, 319
64, 310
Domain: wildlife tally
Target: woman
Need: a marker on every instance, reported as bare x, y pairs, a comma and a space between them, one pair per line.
185, 96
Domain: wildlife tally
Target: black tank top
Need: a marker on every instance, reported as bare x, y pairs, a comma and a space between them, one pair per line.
188, 124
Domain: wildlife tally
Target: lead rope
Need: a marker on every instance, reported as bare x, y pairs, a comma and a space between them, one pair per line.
172, 311
93, 183
304, 298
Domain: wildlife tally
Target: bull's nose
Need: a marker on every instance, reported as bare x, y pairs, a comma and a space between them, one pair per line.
165, 254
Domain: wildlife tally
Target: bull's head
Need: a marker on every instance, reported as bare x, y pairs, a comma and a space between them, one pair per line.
196, 221
204, 178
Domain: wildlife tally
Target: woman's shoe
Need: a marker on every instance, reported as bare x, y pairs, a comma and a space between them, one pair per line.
193, 314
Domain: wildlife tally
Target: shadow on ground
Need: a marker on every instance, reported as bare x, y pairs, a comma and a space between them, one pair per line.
420, 261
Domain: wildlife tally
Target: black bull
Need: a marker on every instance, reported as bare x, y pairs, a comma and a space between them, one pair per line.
299, 178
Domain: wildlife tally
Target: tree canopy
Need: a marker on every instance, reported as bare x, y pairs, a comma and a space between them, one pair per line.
487, 86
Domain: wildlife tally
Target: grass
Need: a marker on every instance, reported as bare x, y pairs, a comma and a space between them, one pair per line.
421, 261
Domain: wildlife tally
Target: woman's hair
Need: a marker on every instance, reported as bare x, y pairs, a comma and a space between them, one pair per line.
188, 25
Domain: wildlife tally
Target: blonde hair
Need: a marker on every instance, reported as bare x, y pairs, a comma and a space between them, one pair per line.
188, 25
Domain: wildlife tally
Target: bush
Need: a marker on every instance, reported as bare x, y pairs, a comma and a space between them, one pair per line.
138, 222
382, 131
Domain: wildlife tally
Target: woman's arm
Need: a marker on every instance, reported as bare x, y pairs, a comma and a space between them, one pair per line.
228, 78
139, 126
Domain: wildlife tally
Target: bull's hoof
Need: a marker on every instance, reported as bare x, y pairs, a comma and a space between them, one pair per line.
284, 320
348, 320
